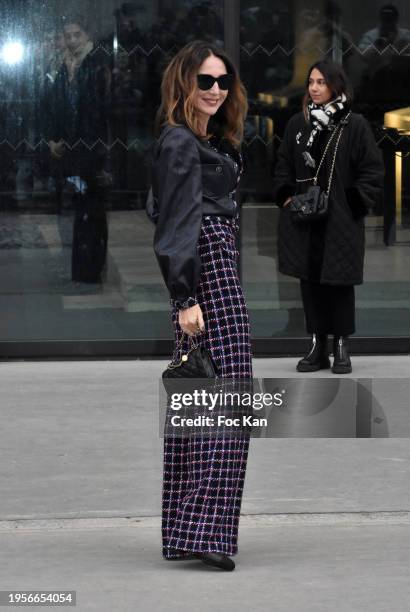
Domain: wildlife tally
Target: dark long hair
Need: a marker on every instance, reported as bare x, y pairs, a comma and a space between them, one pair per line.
335, 78
178, 89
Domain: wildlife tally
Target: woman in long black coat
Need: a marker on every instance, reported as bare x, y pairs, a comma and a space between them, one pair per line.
327, 254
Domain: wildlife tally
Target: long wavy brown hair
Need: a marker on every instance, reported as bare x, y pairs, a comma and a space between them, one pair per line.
179, 87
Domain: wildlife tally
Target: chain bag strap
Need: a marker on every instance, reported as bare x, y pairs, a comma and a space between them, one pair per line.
178, 357
314, 204
329, 142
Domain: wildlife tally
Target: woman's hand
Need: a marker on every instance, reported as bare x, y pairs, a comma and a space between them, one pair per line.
191, 320
288, 201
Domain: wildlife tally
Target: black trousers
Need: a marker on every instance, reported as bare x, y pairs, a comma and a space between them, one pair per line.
328, 309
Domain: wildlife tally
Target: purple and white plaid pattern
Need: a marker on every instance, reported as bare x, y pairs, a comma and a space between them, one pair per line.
204, 477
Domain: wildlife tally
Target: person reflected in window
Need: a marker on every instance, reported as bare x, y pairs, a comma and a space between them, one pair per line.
77, 136
266, 38
327, 254
49, 55
385, 51
195, 176
380, 45
203, 20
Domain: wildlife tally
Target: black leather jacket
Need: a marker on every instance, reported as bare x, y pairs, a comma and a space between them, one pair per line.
190, 179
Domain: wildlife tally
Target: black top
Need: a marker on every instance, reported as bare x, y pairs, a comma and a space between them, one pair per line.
79, 110
192, 178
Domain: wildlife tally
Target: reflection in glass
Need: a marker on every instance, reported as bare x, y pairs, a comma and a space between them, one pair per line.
132, 42
79, 89
279, 41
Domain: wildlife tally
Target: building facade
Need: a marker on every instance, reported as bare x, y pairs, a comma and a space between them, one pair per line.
78, 274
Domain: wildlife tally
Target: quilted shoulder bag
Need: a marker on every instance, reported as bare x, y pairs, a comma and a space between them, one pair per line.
196, 362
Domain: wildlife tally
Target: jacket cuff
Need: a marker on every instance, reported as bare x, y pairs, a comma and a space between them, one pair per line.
356, 203
283, 193
183, 305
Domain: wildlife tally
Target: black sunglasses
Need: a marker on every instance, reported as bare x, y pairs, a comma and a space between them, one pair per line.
206, 81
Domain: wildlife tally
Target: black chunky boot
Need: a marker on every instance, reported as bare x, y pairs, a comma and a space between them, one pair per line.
317, 358
341, 363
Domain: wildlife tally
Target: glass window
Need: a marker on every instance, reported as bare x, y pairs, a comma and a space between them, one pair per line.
278, 42
79, 88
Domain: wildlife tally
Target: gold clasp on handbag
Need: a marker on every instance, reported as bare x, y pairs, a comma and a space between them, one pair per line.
184, 357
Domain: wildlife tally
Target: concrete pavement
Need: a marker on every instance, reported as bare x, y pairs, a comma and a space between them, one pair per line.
325, 525
282, 565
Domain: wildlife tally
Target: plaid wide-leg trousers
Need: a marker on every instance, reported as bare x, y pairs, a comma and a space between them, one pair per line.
203, 477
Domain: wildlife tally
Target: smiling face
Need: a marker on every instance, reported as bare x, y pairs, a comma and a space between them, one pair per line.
208, 102
318, 89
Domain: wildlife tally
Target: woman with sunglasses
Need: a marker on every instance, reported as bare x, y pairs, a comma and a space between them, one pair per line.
196, 171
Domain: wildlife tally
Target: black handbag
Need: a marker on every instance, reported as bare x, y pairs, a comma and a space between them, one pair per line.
197, 362
314, 204
310, 206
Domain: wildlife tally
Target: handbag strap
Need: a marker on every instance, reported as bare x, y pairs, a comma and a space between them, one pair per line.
178, 346
335, 152
315, 178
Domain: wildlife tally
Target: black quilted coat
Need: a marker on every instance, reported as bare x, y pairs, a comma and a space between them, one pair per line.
356, 186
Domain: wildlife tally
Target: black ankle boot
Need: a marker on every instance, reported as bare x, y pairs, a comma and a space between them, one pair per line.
341, 363
317, 358
217, 560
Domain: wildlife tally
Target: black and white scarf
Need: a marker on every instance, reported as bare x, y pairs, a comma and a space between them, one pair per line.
323, 117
